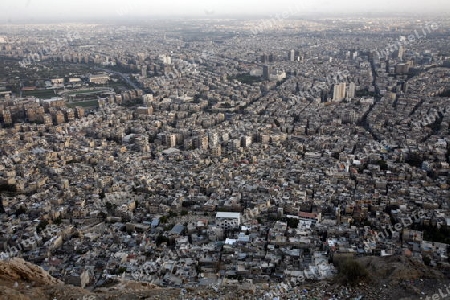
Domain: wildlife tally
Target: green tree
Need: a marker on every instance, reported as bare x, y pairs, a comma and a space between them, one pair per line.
292, 222
352, 272
20, 210
41, 226
57, 221
383, 165
161, 239
426, 260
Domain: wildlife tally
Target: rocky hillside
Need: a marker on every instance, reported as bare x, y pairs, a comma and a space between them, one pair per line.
21, 280
395, 277
19, 270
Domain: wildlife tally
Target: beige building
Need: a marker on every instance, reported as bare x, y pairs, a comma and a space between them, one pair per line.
99, 78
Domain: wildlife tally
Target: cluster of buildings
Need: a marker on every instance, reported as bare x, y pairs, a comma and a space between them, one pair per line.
37, 113
210, 177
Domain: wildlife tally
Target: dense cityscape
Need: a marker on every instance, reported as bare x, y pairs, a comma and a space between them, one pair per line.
213, 153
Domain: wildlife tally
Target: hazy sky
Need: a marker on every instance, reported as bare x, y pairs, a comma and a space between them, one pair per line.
15, 10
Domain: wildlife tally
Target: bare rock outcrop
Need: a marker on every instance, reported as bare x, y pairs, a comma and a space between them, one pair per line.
17, 269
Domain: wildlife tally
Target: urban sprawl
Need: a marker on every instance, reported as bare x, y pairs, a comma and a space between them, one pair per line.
206, 152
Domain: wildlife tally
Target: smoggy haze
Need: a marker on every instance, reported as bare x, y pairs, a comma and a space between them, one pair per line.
29, 10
